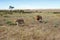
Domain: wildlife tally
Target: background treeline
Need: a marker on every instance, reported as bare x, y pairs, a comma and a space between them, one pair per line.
29, 11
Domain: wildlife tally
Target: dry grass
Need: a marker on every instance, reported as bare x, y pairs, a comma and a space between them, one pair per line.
32, 29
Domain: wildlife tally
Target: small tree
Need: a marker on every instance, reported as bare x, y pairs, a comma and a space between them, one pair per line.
10, 7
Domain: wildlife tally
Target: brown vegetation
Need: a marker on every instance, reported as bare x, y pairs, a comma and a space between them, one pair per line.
32, 30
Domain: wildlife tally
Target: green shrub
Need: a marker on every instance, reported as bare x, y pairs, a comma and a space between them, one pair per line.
1, 14
56, 12
6, 16
10, 23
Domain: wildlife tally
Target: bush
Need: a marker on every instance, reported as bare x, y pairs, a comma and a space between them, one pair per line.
6, 16
1, 14
56, 12
10, 23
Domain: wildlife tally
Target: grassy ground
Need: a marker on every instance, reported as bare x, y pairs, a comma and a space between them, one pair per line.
32, 30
